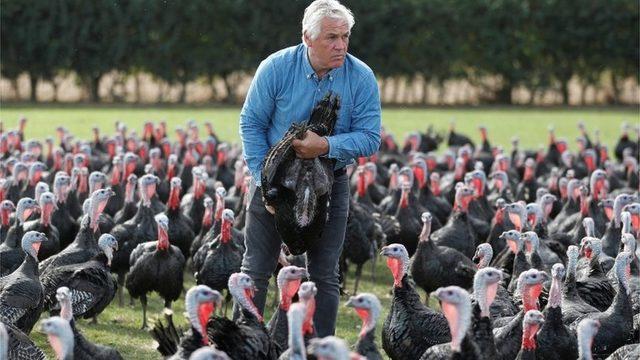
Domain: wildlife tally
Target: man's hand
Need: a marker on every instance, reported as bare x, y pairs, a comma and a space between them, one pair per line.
311, 146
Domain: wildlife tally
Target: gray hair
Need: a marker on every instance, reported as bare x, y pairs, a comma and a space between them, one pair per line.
318, 10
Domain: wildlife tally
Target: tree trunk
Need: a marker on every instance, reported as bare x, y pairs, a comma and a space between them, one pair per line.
54, 85
16, 88
34, 83
183, 92
532, 95
504, 94
230, 99
441, 92
564, 88
425, 90
212, 85
615, 84
137, 91
94, 87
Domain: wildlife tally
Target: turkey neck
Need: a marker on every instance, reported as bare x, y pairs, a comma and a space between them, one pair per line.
163, 239
530, 295
555, 293
45, 214
296, 340
528, 336
225, 231
570, 280
115, 176
5, 216
485, 295
174, 198
62, 347
584, 347
29, 266
459, 320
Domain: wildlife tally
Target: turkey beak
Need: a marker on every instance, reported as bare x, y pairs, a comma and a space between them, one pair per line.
349, 303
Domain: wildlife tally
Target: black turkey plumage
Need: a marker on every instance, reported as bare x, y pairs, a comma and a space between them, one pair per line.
16, 345
84, 246
246, 338
61, 218
200, 303
11, 253
298, 190
50, 247
156, 266
21, 295
91, 286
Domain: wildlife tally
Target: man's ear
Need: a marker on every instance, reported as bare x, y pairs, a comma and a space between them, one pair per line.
307, 40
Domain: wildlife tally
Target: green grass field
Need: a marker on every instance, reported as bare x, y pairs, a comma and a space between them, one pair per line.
119, 327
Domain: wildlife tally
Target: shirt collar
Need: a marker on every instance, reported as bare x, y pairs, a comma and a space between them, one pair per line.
308, 69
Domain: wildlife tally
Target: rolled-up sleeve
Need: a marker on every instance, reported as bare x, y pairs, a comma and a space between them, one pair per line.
255, 117
363, 138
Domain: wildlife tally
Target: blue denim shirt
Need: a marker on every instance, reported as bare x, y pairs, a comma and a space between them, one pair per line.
285, 89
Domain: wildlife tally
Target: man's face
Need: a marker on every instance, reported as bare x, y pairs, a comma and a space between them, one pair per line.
329, 49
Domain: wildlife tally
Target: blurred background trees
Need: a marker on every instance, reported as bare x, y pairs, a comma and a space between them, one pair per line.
496, 45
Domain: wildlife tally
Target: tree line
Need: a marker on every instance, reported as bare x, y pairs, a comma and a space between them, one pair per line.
536, 44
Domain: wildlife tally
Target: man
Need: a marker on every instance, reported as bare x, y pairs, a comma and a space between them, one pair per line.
286, 87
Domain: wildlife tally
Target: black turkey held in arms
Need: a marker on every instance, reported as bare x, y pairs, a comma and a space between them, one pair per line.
299, 189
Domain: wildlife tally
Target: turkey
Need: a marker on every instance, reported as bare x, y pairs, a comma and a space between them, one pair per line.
156, 266
14, 344
456, 306
611, 237
83, 349
485, 287
368, 308
298, 190
67, 345
436, 266
21, 295
531, 323
288, 281
573, 306
410, 327
192, 204
217, 260
408, 215
617, 321
6, 208
200, 303
142, 227
180, 233
47, 204
84, 246
246, 338
458, 233
207, 223
507, 338
90, 283
11, 253
586, 331
554, 338
129, 208
296, 345
307, 295
61, 218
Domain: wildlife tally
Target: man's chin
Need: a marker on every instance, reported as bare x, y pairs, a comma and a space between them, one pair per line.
337, 63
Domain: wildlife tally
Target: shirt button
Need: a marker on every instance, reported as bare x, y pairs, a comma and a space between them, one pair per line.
318, 90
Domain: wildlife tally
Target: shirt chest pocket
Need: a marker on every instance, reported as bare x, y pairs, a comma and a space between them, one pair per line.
343, 124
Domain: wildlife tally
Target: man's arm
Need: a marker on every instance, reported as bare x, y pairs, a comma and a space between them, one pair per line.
364, 136
255, 117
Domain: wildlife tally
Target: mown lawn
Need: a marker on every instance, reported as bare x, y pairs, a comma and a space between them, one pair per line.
120, 327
